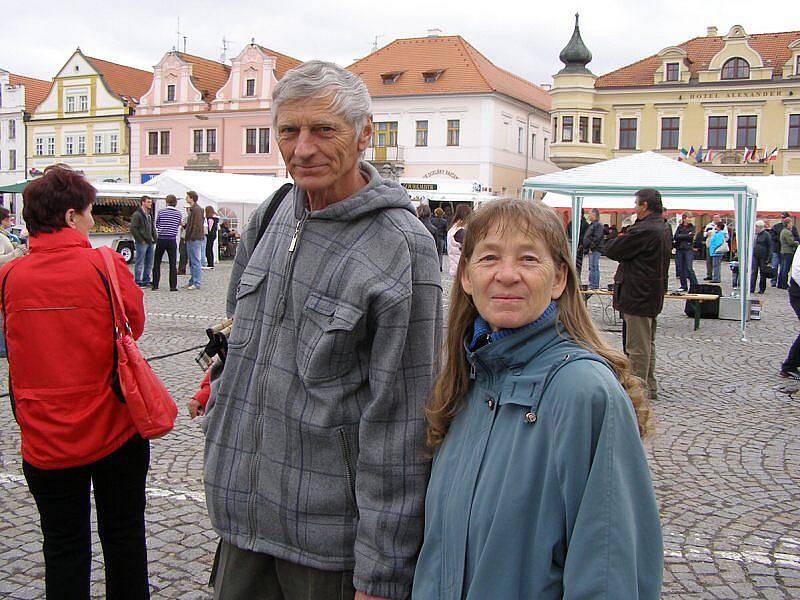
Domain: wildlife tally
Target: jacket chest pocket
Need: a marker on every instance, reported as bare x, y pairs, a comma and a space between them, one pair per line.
249, 311
329, 334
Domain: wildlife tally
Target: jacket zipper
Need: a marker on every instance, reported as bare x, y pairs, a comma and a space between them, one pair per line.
262, 384
348, 468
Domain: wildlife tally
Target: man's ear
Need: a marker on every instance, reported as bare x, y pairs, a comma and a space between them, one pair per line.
366, 135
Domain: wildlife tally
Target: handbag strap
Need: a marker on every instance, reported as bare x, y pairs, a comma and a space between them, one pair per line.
118, 306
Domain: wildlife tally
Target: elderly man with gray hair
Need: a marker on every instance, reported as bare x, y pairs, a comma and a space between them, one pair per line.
315, 458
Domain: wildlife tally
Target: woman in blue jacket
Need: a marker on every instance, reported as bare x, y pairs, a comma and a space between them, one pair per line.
717, 239
540, 487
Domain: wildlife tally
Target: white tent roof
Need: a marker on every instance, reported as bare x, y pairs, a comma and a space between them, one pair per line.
222, 187
776, 193
618, 179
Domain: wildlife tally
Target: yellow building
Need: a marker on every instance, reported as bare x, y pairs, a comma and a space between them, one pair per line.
726, 94
83, 121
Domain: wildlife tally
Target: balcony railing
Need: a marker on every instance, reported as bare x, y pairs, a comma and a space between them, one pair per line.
384, 154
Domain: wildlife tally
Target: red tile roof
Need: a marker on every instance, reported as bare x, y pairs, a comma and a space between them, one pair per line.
464, 70
123, 81
282, 62
773, 48
36, 90
208, 76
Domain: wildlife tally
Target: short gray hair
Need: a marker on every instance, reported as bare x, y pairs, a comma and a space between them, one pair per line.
760, 223
349, 96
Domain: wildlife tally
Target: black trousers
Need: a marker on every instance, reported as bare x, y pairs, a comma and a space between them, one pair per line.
171, 248
792, 362
759, 264
210, 249
62, 497
183, 259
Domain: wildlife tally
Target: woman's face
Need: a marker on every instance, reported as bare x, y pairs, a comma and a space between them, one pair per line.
512, 279
5, 223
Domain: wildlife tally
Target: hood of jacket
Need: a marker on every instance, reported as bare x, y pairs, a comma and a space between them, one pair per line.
377, 195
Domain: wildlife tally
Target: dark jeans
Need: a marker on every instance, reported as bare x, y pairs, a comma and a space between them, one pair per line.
786, 267
792, 361
684, 268
246, 575
210, 249
183, 259
171, 248
62, 497
758, 267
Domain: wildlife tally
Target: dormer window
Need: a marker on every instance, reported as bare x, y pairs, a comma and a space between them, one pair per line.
673, 71
432, 76
736, 68
390, 78
250, 87
797, 66
171, 92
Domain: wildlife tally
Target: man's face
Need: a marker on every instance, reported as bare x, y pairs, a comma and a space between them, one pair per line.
593, 217
642, 209
319, 147
189, 200
147, 204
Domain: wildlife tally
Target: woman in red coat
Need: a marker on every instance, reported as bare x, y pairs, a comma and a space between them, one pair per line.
74, 427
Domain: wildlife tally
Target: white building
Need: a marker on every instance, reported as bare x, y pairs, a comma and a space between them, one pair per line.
442, 109
19, 96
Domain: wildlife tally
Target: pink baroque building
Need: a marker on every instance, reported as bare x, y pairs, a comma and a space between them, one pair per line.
203, 115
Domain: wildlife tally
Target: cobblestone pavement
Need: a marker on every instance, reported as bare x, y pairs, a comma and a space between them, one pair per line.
725, 457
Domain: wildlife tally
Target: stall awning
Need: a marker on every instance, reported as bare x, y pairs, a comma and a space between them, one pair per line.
115, 201
14, 188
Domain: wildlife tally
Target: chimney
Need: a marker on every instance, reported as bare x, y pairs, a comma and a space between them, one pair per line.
546, 86
434, 33
711, 31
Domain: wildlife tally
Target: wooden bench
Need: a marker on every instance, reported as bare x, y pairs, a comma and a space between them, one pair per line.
698, 298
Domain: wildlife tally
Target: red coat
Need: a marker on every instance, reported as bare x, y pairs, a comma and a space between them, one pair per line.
59, 335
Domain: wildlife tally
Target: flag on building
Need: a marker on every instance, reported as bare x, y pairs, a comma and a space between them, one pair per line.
708, 156
773, 155
698, 156
683, 154
746, 154
691, 151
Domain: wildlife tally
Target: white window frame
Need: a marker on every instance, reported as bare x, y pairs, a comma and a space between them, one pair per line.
12, 159
38, 144
520, 139
70, 104
83, 101
247, 92
51, 145
82, 144
69, 145
174, 92
12, 129
99, 143
532, 152
257, 144
216, 140
113, 143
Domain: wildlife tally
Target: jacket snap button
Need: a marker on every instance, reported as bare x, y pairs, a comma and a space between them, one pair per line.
490, 402
530, 417
516, 371
330, 319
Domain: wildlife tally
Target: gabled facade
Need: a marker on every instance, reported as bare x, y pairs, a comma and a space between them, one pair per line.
203, 115
442, 109
83, 121
19, 96
728, 93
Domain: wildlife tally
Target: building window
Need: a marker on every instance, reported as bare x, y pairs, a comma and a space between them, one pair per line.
12, 129
746, 131
627, 134
165, 142
672, 71
533, 145
250, 87
545, 150
794, 131
736, 68
453, 132
39, 146
717, 132
70, 104
69, 145
596, 128
390, 78
555, 129
84, 102
81, 144
211, 140
113, 143
197, 143
797, 65
98, 144
384, 134
566, 129
256, 140
152, 143
171, 92
51, 145
12, 160
670, 128
583, 129
422, 133
520, 140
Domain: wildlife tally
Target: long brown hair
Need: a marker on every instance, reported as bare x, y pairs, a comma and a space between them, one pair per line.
539, 222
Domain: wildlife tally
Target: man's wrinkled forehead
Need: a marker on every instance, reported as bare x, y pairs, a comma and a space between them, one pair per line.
318, 109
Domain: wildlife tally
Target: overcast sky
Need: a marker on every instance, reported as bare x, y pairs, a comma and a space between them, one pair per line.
523, 37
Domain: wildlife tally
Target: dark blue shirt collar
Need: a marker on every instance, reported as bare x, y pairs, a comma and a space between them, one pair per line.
482, 332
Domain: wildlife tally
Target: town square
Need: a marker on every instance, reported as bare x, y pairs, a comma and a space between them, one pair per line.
422, 311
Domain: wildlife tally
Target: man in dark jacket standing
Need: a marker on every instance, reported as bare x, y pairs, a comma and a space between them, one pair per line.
641, 281
195, 240
143, 230
592, 244
684, 254
762, 252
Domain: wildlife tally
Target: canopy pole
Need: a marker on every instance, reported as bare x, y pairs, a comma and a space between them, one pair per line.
745, 205
577, 210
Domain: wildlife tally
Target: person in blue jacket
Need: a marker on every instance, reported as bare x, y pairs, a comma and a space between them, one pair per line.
540, 487
714, 250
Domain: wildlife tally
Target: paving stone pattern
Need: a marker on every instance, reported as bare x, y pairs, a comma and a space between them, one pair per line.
725, 457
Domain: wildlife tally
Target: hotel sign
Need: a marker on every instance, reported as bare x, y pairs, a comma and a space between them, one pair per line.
736, 95
428, 187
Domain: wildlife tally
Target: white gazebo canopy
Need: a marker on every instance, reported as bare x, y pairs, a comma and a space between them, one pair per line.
613, 184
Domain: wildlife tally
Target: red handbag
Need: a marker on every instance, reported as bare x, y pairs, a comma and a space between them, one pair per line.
152, 409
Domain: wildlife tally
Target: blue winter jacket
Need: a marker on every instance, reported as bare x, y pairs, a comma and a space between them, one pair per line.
541, 488
716, 241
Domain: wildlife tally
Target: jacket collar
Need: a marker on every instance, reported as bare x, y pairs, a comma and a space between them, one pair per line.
63, 238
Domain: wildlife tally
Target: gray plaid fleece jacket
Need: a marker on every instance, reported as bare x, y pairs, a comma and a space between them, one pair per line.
315, 429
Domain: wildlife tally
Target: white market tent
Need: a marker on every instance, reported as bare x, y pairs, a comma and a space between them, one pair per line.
776, 193
230, 194
613, 183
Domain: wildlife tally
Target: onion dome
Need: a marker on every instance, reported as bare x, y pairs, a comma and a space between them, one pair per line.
575, 54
